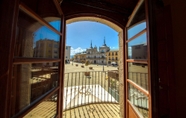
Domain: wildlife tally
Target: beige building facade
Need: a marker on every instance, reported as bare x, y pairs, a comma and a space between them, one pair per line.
103, 56
67, 54
139, 51
112, 57
95, 56
48, 48
80, 57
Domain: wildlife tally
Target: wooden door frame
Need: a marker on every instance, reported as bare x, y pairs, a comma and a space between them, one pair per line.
149, 43
9, 17
8, 20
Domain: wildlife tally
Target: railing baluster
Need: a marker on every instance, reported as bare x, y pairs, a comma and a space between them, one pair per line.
74, 86
71, 93
92, 87
82, 76
86, 90
67, 91
78, 83
137, 78
101, 86
95, 85
134, 94
115, 90
104, 81
108, 85
146, 78
111, 89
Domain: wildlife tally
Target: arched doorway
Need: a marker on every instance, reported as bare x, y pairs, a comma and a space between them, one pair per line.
120, 39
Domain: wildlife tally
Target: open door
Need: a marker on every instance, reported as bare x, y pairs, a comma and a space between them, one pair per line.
137, 65
37, 63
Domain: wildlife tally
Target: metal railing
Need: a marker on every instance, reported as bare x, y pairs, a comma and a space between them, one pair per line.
139, 100
138, 92
92, 87
139, 78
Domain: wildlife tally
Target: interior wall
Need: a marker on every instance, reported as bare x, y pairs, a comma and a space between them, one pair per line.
178, 8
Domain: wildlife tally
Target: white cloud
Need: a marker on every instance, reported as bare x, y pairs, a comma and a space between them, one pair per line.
114, 48
77, 50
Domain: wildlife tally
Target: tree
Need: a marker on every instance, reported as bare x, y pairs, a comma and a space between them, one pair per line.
86, 64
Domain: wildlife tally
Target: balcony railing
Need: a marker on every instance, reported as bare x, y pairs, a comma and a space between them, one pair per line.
96, 93
81, 90
138, 92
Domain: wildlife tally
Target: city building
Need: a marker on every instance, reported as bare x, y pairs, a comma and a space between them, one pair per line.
139, 51
48, 48
95, 56
80, 57
67, 54
112, 57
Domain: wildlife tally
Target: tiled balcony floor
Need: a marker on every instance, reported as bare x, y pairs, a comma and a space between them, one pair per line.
47, 109
103, 110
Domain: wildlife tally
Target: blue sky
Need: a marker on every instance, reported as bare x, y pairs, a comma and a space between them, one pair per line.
134, 30
80, 34
44, 32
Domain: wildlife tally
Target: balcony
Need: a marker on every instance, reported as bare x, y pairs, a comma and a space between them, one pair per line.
96, 95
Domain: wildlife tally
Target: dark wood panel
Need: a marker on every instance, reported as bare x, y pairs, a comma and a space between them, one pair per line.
44, 8
165, 63
8, 20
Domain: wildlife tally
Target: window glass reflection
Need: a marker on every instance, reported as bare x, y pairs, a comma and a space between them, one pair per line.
139, 100
138, 73
137, 48
35, 40
56, 24
135, 30
33, 81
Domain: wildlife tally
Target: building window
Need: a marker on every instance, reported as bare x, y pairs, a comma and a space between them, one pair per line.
56, 45
55, 51
50, 45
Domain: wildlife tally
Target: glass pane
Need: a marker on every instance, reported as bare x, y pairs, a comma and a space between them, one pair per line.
138, 73
33, 81
135, 30
56, 24
137, 48
34, 39
46, 109
138, 100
